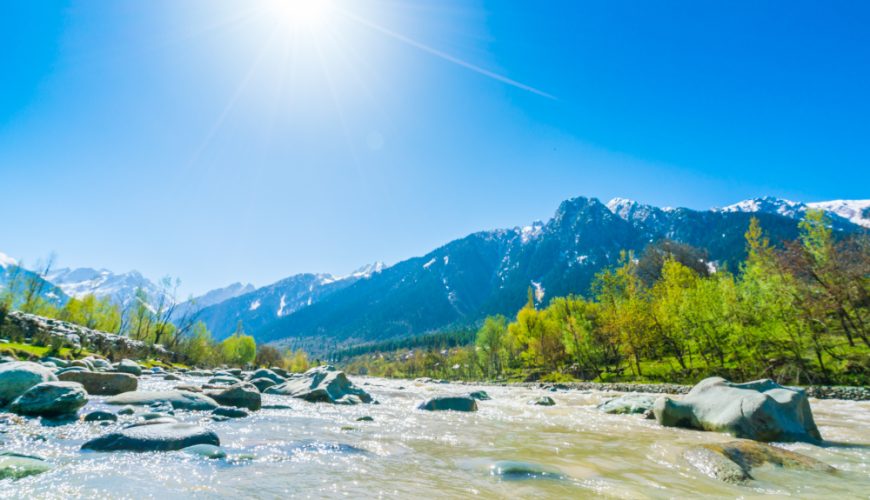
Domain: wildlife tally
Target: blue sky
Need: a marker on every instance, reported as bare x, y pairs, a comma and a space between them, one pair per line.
222, 141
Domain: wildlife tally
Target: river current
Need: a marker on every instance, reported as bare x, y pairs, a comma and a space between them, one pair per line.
321, 450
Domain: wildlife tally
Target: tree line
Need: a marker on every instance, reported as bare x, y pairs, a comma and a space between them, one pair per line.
798, 313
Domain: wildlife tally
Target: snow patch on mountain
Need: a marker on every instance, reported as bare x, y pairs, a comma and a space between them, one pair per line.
254, 305
855, 211
6, 261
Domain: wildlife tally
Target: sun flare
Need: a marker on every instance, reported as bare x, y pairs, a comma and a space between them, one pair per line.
302, 14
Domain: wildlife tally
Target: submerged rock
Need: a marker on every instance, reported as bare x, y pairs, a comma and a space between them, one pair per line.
628, 404
229, 412
101, 416
449, 403
517, 471
180, 400
18, 377
262, 383
102, 383
240, 395
322, 384
543, 401
268, 374
734, 461
479, 395
762, 410
153, 437
51, 399
205, 451
16, 466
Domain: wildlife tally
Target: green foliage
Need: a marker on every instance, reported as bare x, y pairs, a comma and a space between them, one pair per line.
239, 349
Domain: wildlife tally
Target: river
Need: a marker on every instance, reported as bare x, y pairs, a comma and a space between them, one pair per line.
321, 450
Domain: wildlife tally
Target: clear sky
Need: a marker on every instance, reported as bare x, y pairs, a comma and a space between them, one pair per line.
221, 141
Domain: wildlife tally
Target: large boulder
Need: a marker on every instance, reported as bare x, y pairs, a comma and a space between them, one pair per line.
180, 400
129, 366
733, 462
16, 466
762, 410
262, 383
267, 373
51, 399
153, 437
628, 404
322, 384
102, 383
239, 395
454, 403
18, 377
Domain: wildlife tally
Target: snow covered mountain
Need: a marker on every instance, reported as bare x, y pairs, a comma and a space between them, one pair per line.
216, 296
257, 308
121, 288
840, 211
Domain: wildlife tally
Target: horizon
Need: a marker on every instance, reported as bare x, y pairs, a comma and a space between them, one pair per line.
186, 141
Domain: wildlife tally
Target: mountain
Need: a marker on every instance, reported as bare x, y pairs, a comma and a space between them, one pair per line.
216, 296
843, 213
10, 270
490, 272
121, 288
260, 307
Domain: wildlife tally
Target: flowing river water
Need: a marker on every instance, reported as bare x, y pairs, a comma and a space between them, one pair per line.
321, 450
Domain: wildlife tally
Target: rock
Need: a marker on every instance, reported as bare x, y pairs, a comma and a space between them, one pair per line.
454, 403
199, 373
156, 370
171, 377
479, 395
322, 384
628, 404
102, 383
280, 371
277, 407
515, 471
81, 363
543, 401
188, 388
100, 364
127, 410
266, 373
180, 400
235, 372
762, 410
153, 437
101, 416
205, 451
223, 380
733, 462
365, 419
16, 466
262, 383
129, 366
51, 399
240, 395
229, 412
18, 377
60, 363
71, 369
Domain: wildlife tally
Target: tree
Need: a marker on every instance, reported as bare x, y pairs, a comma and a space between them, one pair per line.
239, 349
199, 347
267, 356
491, 345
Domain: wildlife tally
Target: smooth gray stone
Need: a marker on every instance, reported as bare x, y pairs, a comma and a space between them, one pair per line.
18, 377
733, 462
449, 403
16, 466
628, 404
543, 401
102, 383
101, 416
225, 411
322, 384
240, 395
180, 400
153, 437
51, 399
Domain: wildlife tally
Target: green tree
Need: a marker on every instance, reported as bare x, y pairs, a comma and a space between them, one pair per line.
492, 345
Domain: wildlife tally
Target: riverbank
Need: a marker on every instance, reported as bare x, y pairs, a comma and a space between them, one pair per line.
848, 393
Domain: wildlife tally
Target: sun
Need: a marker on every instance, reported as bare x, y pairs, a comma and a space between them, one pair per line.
302, 14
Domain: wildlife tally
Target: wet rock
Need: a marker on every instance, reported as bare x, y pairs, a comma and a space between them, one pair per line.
479, 395
101, 416
628, 404
277, 407
129, 366
543, 401
223, 380
127, 410
16, 466
60, 363
762, 410
102, 383
82, 363
51, 399
180, 400
188, 388
205, 451
734, 461
171, 377
512, 470
280, 371
240, 395
235, 372
322, 384
18, 377
229, 412
71, 369
263, 383
266, 373
153, 437
451, 403
365, 419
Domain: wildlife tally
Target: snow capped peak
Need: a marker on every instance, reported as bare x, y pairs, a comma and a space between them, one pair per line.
528, 233
855, 211
368, 270
767, 205
6, 261
618, 204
